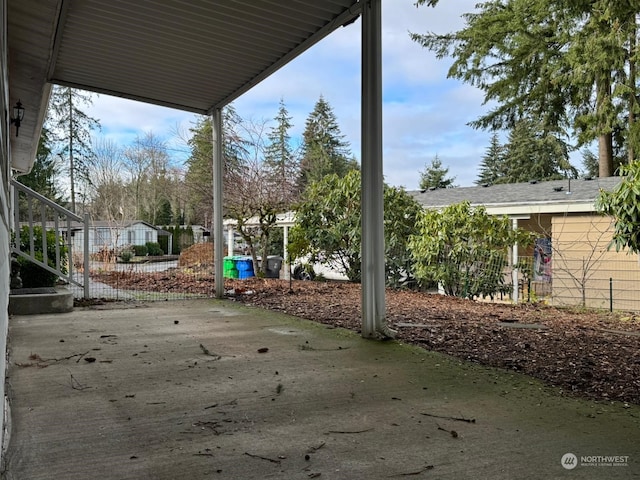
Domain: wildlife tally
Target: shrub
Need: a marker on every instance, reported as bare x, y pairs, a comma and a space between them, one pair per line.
154, 248
464, 249
32, 275
126, 256
328, 228
105, 254
140, 250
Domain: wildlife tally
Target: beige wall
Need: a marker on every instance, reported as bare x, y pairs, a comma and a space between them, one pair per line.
540, 224
583, 264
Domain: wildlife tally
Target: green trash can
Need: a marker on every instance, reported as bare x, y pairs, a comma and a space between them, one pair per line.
229, 267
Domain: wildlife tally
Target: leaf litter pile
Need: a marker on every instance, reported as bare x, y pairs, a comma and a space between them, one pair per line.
584, 352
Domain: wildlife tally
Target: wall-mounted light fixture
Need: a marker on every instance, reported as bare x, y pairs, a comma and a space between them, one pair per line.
18, 116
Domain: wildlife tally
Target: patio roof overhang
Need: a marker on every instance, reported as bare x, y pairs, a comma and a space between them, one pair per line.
192, 55
195, 55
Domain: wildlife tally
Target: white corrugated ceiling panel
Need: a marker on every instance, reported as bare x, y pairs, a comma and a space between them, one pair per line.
192, 55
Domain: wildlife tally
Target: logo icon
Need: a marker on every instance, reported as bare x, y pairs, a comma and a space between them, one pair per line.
569, 461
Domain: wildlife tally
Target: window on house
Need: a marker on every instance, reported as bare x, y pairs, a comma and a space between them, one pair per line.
103, 236
131, 237
148, 237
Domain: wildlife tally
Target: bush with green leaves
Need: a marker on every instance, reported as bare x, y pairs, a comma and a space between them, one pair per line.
328, 227
464, 249
33, 275
126, 256
140, 250
153, 248
623, 204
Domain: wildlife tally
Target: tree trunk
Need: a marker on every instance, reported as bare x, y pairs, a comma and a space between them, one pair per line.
605, 155
265, 250
605, 139
632, 94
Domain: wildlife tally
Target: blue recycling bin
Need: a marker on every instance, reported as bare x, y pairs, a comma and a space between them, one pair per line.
244, 265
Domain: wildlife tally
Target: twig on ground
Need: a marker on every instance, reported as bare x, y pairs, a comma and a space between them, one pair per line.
75, 384
272, 460
349, 431
457, 419
417, 472
38, 358
206, 351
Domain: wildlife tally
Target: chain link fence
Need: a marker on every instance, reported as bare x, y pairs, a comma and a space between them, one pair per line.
178, 266
563, 283
610, 285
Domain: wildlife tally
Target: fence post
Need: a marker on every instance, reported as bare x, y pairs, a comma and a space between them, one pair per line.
514, 268
86, 255
611, 294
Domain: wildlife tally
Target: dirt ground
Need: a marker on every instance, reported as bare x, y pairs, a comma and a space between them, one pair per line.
587, 353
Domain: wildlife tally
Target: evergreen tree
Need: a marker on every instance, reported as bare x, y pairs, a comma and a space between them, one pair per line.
42, 177
279, 159
435, 176
532, 155
569, 64
199, 175
591, 167
324, 150
165, 214
520, 159
72, 127
590, 163
492, 165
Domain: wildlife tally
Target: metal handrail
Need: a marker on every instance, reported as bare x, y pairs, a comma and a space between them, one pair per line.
61, 215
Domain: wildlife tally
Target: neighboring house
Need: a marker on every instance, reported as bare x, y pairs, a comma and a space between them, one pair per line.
200, 233
572, 264
114, 235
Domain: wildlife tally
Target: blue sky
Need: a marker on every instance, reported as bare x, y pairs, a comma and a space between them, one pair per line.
425, 114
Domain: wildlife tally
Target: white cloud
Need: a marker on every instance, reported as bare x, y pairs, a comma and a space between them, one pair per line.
424, 113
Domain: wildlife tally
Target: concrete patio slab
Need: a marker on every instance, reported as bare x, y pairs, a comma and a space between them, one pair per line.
211, 390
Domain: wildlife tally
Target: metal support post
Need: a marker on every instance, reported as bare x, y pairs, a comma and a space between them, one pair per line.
87, 223
514, 270
218, 234
373, 279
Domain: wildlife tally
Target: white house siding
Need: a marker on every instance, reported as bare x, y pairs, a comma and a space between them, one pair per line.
5, 255
584, 265
101, 236
143, 234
